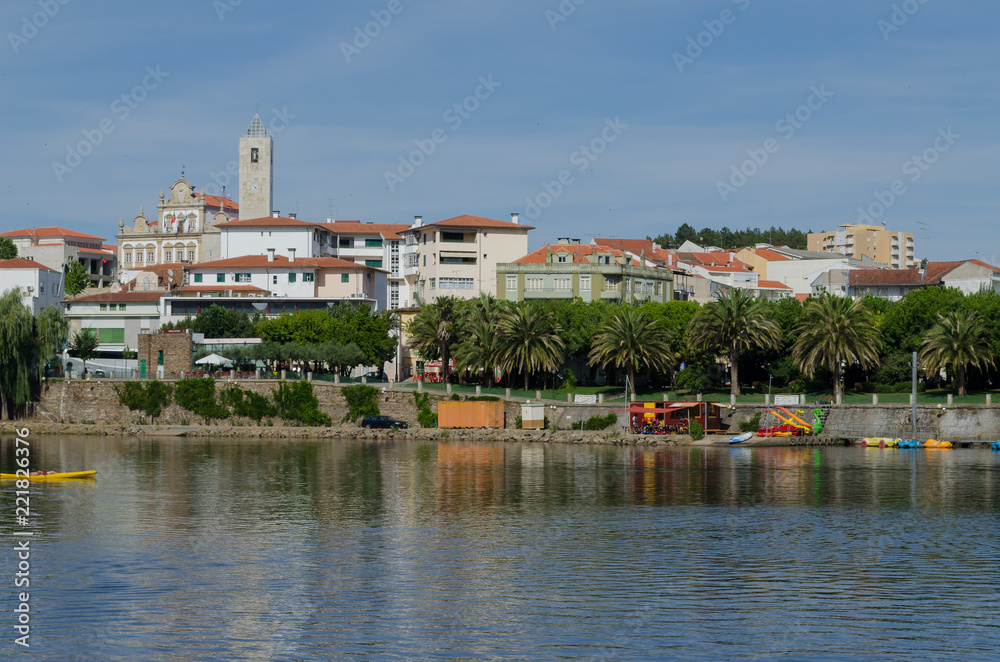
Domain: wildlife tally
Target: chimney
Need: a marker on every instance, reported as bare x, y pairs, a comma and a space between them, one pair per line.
563, 241
329, 220
270, 255
291, 255
275, 214
513, 218
418, 221
548, 254
294, 214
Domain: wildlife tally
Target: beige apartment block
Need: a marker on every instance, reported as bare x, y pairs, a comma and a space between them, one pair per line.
888, 247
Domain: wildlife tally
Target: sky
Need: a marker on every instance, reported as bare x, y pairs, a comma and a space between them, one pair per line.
587, 117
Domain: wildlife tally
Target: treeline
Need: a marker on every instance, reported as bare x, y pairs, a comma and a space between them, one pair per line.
734, 239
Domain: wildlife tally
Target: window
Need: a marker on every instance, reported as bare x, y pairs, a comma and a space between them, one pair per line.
128, 257
104, 306
394, 295
113, 307
274, 279
55, 290
242, 278
198, 278
611, 285
561, 258
111, 336
511, 282
150, 256
41, 287
345, 278
584, 283
458, 260
457, 283
308, 278
168, 256
562, 284
138, 256
291, 277
159, 357
254, 158
190, 256
220, 278
432, 283
453, 236
425, 239
374, 263
533, 284
345, 242
425, 260
121, 307
373, 243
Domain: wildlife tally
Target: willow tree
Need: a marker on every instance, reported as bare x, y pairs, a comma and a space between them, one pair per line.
53, 331
631, 340
736, 322
834, 332
18, 354
959, 340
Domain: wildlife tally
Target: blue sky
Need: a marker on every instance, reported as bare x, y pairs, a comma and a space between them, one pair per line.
673, 134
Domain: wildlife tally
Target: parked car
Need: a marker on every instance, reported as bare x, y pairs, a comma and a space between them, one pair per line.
371, 422
99, 373
376, 376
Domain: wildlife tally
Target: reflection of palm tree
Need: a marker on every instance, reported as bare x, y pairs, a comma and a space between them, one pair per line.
959, 340
631, 340
734, 323
530, 341
832, 331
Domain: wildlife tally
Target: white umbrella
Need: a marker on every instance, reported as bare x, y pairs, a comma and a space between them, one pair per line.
214, 359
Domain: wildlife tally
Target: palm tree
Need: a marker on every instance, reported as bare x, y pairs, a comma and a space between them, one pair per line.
434, 330
479, 346
834, 331
530, 341
959, 340
734, 323
631, 340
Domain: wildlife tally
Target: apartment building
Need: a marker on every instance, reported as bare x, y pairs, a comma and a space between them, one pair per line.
378, 245
886, 247
58, 248
459, 256
39, 285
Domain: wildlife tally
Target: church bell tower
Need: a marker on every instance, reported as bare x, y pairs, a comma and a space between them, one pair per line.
256, 171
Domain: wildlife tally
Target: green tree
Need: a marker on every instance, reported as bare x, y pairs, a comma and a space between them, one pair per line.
835, 331
905, 322
736, 322
530, 340
53, 331
84, 346
958, 341
18, 354
434, 331
8, 251
77, 279
631, 340
479, 344
219, 322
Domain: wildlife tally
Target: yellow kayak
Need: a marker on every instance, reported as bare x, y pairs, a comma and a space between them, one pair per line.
934, 443
53, 475
879, 442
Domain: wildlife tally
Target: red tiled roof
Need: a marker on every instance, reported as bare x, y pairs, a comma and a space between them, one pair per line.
937, 270
281, 261
708, 259
53, 231
636, 246
118, 297
772, 285
725, 268
884, 277
218, 201
467, 221
769, 255
163, 277
578, 252
802, 297
111, 248
387, 230
22, 263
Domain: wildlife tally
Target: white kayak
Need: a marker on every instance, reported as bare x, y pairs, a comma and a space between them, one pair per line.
741, 438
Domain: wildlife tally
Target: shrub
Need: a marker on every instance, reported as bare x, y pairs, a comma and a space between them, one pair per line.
752, 425
246, 403
150, 397
197, 395
483, 398
425, 417
600, 422
696, 430
297, 402
455, 397
362, 401
518, 423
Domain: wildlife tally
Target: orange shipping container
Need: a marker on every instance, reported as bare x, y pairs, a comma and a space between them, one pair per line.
453, 414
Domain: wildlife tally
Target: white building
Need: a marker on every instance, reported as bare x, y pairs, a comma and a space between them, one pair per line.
118, 317
378, 245
57, 247
40, 286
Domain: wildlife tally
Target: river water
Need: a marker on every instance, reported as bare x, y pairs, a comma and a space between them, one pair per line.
318, 550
